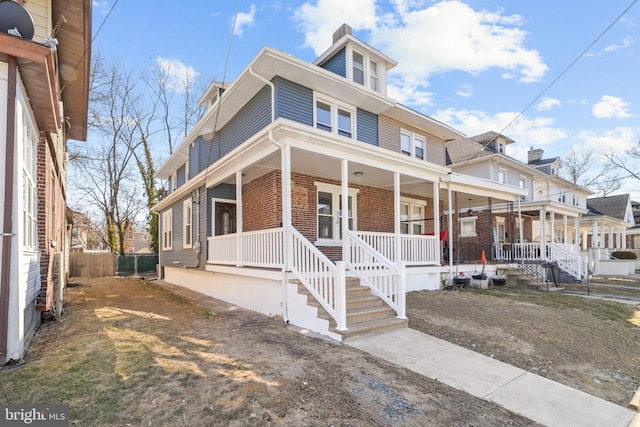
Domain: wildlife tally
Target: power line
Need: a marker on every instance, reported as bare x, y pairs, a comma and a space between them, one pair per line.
567, 68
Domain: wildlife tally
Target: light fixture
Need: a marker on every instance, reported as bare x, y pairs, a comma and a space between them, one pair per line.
470, 211
358, 173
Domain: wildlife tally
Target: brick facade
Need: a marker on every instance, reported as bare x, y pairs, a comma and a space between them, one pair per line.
262, 207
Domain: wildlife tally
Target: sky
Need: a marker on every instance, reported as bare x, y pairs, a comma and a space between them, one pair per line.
556, 75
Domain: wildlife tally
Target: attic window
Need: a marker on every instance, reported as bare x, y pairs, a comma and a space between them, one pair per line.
365, 71
358, 68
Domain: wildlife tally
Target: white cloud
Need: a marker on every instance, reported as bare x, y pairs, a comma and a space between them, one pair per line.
427, 40
527, 132
243, 20
619, 139
611, 107
547, 104
318, 20
101, 6
465, 91
625, 43
178, 73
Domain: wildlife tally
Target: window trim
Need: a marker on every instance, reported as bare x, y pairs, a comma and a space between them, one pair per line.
335, 106
187, 224
504, 174
336, 192
167, 230
412, 143
470, 219
368, 75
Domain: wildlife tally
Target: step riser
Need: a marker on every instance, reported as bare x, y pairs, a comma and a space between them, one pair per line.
366, 313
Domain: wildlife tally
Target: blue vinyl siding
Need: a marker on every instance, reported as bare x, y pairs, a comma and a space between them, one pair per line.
337, 63
253, 117
221, 191
367, 127
202, 153
293, 101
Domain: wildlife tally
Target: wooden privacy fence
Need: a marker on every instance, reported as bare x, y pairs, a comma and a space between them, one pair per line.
86, 264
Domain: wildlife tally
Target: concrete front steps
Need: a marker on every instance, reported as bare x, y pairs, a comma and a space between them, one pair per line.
518, 277
366, 313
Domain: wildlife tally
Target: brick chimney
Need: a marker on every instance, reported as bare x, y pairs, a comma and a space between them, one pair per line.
340, 32
535, 155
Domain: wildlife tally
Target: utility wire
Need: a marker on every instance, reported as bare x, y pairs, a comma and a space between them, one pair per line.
555, 80
92, 40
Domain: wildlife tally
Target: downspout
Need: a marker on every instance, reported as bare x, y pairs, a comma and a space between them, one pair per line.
285, 297
7, 226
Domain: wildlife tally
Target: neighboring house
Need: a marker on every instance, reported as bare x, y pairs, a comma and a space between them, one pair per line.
137, 242
84, 237
304, 173
44, 84
608, 219
633, 233
543, 225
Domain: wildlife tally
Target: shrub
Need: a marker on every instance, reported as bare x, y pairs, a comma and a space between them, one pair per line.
624, 255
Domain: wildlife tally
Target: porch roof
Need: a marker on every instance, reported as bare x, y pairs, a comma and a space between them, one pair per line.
479, 189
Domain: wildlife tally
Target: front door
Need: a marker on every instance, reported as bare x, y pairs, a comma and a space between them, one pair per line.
225, 218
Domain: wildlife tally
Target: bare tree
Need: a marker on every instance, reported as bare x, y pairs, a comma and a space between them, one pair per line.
585, 170
627, 162
106, 175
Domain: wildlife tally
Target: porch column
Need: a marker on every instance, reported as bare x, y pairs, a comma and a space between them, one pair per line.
450, 218
543, 232
552, 225
565, 237
436, 210
576, 232
286, 205
239, 248
610, 244
344, 214
396, 217
595, 240
624, 238
619, 238
520, 225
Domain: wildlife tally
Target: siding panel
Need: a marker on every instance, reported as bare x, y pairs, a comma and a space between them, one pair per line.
337, 63
367, 124
177, 257
293, 101
389, 138
255, 115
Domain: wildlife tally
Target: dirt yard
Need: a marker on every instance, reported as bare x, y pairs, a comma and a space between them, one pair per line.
128, 353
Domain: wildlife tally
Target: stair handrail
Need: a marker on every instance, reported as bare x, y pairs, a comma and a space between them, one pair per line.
323, 278
568, 260
385, 278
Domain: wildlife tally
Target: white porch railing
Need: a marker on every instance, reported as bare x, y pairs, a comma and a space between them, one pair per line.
566, 256
415, 249
262, 248
385, 278
569, 261
324, 279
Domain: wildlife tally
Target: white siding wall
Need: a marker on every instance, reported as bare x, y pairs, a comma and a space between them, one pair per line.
40, 12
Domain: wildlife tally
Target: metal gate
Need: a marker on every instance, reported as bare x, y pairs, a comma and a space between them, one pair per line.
136, 264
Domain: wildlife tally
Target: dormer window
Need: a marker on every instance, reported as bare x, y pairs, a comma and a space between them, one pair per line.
500, 147
373, 75
365, 71
358, 68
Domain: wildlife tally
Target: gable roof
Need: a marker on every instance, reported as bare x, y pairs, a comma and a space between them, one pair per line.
612, 206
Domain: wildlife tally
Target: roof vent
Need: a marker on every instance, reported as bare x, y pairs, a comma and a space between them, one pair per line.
16, 20
341, 32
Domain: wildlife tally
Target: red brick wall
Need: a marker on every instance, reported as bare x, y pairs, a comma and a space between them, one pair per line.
51, 208
262, 206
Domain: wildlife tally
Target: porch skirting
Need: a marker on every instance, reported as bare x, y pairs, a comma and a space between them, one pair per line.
261, 294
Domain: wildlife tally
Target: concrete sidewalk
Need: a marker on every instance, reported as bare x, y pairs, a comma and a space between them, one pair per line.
535, 397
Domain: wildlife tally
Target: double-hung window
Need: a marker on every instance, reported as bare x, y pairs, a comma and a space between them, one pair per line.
167, 230
502, 176
29, 177
329, 212
412, 216
187, 230
365, 70
413, 145
335, 118
358, 68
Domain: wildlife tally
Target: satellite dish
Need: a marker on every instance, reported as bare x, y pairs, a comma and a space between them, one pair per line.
15, 20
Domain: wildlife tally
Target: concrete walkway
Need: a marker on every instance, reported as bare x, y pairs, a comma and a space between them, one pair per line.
532, 396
